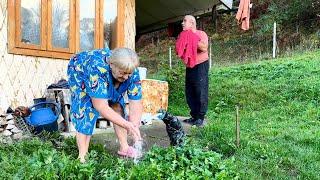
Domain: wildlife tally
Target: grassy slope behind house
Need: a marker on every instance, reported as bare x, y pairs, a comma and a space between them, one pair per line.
279, 111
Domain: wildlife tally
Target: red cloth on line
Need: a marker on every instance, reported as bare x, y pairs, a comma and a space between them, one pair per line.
243, 14
186, 47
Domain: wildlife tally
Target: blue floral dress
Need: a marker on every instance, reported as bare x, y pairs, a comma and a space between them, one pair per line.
89, 75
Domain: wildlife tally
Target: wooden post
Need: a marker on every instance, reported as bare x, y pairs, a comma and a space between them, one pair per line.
170, 58
274, 40
237, 127
210, 53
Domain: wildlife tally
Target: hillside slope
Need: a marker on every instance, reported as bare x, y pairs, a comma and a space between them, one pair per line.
279, 111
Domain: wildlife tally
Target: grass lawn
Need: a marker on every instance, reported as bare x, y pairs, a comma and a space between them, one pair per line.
280, 137
280, 117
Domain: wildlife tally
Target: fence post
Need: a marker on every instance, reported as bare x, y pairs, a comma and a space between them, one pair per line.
170, 58
237, 127
274, 40
210, 53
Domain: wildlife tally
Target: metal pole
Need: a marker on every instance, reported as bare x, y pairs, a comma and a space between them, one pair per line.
170, 58
274, 40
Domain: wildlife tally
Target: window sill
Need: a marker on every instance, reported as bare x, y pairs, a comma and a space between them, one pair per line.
41, 53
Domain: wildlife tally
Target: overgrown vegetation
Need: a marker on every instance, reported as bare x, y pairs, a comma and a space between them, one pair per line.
36, 159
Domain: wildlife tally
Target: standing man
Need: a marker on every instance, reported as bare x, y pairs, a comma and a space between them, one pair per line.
98, 80
192, 47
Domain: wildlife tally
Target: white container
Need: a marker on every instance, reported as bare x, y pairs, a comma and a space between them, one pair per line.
142, 72
103, 124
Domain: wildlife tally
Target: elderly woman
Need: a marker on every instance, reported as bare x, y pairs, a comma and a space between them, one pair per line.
98, 80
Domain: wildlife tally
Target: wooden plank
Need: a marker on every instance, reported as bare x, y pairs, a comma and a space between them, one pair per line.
18, 22
72, 33
11, 24
43, 25
49, 24
27, 46
120, 23
40, 53
96, 24
101, 24
77, 25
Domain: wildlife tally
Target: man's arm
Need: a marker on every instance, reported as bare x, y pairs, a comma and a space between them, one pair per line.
204, 41
203, 46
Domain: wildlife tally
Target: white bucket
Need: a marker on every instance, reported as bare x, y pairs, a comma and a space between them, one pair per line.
142, 72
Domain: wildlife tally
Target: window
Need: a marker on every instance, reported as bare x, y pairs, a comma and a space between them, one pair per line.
60, 28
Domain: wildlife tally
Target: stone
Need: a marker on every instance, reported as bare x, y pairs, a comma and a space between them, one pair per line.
10, 126
9, 117
16, 130
11, 122
3, 122
7, 133
8, 140
17, 136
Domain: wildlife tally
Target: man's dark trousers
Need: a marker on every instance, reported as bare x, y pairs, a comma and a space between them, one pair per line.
196, 89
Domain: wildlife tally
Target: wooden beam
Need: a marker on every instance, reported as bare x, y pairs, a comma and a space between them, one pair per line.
40, 53
11, 24
77, 26
43, 25
49, 25
101, 24
72, 25
96, 24
120, 23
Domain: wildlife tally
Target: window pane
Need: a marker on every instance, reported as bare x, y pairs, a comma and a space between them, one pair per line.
109, 14
30, 21
87, 18
60, 23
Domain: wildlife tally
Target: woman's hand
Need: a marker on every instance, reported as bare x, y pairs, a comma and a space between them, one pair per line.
133, 130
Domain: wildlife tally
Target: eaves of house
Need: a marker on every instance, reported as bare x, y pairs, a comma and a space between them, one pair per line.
154, 14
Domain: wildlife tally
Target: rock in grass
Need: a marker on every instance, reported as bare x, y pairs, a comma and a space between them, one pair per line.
15, 130
3, 122
10, 126
9, 117
11, 122
17, 136
7, 133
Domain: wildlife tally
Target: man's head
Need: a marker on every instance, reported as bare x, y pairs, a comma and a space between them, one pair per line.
123, 61
189, 23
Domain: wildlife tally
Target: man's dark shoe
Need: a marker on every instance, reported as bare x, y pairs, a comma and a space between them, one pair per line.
189, 121
198, 123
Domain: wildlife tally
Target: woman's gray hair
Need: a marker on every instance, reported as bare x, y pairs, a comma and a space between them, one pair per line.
125, 59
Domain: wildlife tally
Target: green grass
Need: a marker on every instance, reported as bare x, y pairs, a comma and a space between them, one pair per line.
280, 137
37, 159
280, 116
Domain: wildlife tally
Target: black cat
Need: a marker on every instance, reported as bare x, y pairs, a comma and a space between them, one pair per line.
174, 129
